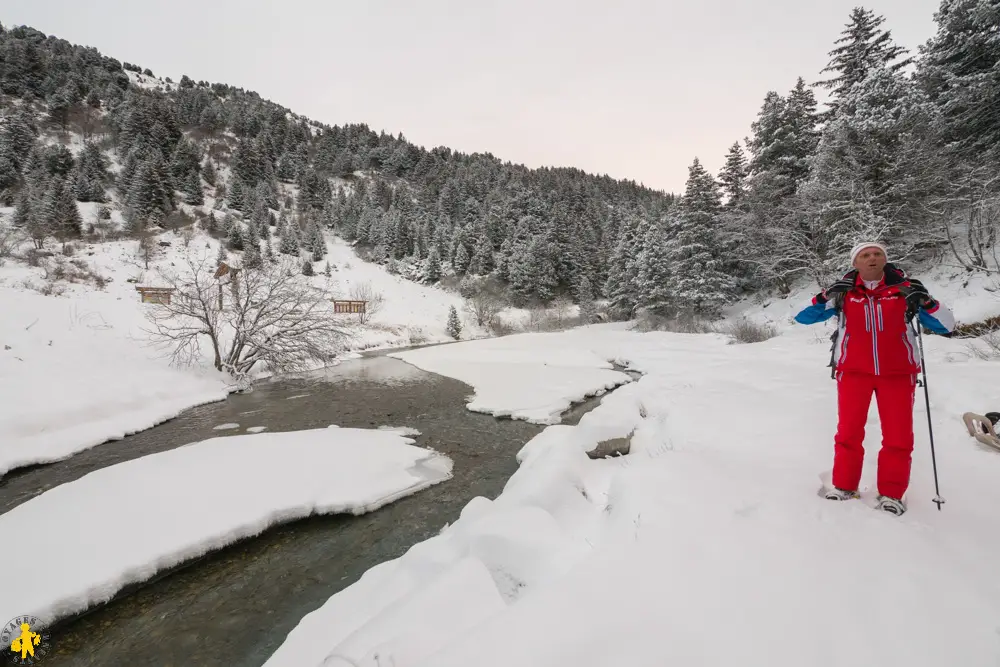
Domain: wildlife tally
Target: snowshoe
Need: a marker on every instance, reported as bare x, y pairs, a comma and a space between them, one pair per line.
890, 505
839, 494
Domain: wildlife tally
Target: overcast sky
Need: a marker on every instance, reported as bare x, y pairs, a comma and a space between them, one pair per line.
634, 89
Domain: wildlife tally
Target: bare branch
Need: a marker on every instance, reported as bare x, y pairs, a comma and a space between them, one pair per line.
268, 317
374, 300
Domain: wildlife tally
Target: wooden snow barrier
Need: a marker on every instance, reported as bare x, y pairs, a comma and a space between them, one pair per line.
155, 294
345, 306
981, 428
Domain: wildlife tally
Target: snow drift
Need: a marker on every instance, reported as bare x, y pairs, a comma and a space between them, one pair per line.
89, 538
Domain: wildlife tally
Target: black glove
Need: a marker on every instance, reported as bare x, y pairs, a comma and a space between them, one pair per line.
842, 286
917, 295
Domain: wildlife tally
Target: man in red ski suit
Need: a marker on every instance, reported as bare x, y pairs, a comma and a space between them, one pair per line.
875, 351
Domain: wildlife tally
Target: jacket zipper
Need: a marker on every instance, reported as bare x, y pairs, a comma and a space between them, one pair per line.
874, 331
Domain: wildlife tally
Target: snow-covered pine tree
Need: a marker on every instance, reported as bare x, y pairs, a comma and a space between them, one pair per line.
17, 135
23, 212
961, 72
265, 192
454, 326
461, 259
184, 160
801, 134
289, 239
863, 47
733, 176
482, 260
764, 145
700, 285
252, 257
316, 241
622, 287
251, 234
193, 193
60, 211
236, 193
91, 174
209, 173
874, 169
653, 285
150, 188
585, 299
542, 266
269, 254
433, 272
236, 236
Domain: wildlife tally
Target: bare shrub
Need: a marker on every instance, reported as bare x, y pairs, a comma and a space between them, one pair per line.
483, 302
56, 268
47, 287
745, 330
34, 257
986, 347
976, 329
11, 239
502, 327
679, 323
416, 335
265, 316
374, 300
557, 317
983, 338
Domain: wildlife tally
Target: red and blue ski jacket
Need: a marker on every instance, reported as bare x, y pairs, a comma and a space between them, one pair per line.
873, 333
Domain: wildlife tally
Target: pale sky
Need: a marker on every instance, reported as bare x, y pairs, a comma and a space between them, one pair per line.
633, 89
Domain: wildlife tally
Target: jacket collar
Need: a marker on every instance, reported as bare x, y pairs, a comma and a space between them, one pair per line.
893, 275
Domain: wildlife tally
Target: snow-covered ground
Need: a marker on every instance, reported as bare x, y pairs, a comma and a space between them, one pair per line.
89, 538
708, 544
411, 313
76, 367
74, 374
710, 529
532, 376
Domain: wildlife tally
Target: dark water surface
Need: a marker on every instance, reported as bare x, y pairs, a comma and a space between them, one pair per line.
235, 606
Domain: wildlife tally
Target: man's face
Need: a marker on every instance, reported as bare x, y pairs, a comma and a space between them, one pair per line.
870, 261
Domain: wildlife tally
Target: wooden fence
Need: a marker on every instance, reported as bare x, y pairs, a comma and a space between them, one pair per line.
340, 306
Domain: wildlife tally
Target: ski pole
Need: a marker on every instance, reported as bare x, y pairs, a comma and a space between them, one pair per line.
938, 500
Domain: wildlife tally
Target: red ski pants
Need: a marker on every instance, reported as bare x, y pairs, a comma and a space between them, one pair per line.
894, 395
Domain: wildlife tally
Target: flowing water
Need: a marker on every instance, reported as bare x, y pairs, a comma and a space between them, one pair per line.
235, 606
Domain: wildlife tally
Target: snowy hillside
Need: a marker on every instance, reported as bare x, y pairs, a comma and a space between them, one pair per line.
76, 361
708, 542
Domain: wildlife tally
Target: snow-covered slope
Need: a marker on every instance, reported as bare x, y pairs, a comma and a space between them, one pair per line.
707, 544
412, 312
76, 367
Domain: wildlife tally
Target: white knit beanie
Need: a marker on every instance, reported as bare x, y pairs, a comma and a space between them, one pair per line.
869, 244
